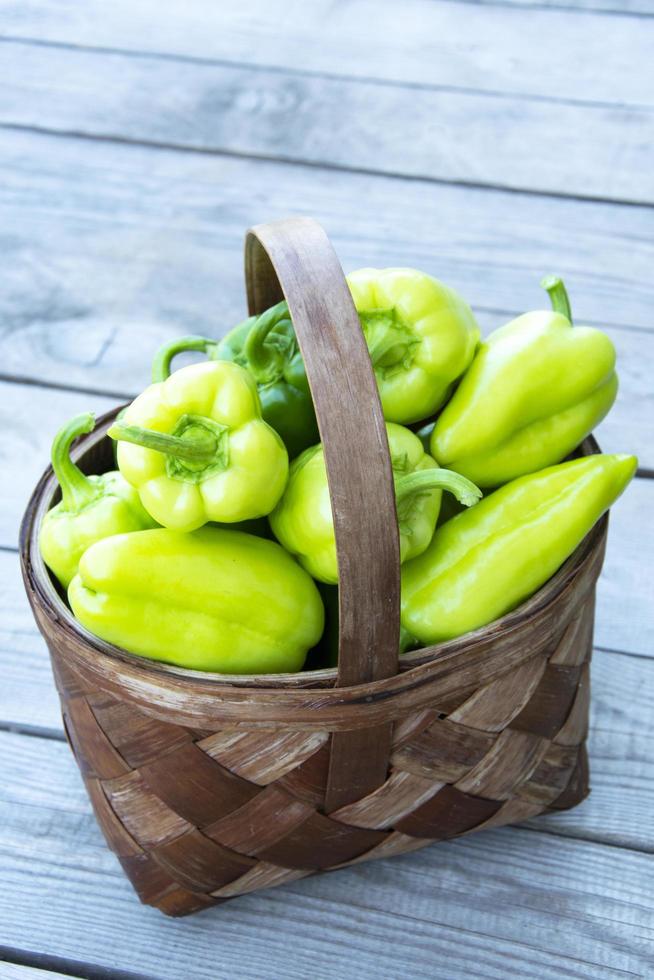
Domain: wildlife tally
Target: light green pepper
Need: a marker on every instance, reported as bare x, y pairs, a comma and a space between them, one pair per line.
197, 450
484, 562
421, 336
212, 600
303, 520
536, 388
91, 507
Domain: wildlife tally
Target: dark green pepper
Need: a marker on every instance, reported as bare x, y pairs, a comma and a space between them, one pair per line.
267, 347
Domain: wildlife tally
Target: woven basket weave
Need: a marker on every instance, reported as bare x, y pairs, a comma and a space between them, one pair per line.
208, 786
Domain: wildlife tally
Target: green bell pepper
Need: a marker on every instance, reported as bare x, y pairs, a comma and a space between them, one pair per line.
487, 560
536, 388
197, 450
303, 523
91, 507
267, 347
213, 600
421, 336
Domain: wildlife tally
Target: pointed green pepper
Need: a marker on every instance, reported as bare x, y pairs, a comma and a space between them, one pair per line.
91, 507
535, 389
486, 561
303, 522
212, 600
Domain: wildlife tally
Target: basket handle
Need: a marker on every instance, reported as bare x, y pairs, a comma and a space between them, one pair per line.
294, 259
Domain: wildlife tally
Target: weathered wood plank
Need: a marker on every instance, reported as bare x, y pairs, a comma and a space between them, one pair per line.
140, 244
590, 151
14, 971
521, 51
548, 906
622, 7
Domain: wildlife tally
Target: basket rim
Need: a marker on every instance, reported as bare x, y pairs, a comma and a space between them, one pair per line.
39, 581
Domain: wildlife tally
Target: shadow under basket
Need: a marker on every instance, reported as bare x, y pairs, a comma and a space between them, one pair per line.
210, 786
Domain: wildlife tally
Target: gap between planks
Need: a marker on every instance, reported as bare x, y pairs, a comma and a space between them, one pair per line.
45, 966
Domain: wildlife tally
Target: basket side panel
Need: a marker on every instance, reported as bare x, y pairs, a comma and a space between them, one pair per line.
198, 818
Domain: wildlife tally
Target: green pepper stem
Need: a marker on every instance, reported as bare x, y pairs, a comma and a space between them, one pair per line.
421, 481
76, 489
265, 361
388, 339
558, 295
199, 448
164, 356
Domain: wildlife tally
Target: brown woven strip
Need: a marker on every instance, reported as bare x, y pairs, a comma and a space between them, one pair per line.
138, 737
447, 814
320, 842
551, 776
262, 756
308, 781
577, 788
262, 875
445, 751
550, 703
195, 786
577, 641
492, 707
150, 880
146, 817
575, 728
117, 836
263, 821
398, 796
511, 760
93, 750
393, 845
200, 864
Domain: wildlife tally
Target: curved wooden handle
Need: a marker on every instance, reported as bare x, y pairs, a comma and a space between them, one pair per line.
294, 259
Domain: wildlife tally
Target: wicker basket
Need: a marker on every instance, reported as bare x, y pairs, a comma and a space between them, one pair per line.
209, 786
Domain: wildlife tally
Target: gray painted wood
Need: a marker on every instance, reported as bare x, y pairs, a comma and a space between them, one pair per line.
126, 245
585, 150
541, 906
491, 48
110, 249
12, 971
621, 7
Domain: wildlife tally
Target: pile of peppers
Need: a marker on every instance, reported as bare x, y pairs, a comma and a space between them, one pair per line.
211, 546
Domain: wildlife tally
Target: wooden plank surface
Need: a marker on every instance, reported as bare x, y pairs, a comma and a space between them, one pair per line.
124, 245
545, 905
619, 7
465, 137
111, 248
538, 52
14, 971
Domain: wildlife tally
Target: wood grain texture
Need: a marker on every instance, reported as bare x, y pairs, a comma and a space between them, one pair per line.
547, 906
491, 48
168, 228
484, 139
13, 971
296, 259
620, 7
